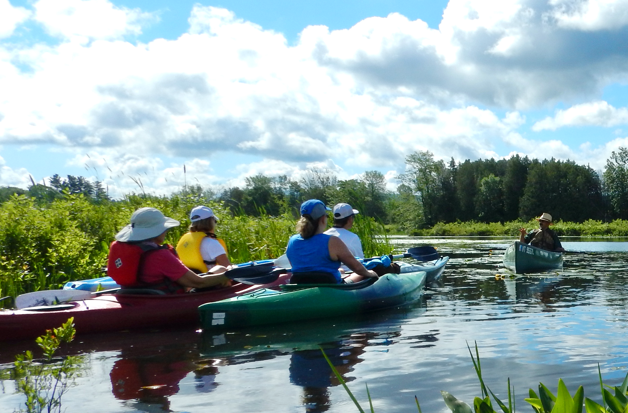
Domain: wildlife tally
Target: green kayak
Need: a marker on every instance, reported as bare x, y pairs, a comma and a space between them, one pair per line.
312, 301
523, 258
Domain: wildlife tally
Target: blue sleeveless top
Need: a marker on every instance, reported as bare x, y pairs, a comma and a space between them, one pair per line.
312, 254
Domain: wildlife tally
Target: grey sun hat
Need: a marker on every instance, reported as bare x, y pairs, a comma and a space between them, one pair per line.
146, 223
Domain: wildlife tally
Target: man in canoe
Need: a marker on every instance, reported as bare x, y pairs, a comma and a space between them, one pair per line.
200, 249
311, 251
138, 258
344, 215
542, 237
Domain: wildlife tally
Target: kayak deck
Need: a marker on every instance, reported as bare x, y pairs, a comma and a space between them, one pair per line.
110, 312
312, 301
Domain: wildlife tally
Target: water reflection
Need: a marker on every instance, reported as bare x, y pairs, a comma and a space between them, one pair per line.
148, 380
345, 342
531, 328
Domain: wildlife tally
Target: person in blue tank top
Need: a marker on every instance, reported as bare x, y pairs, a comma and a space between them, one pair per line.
310, 250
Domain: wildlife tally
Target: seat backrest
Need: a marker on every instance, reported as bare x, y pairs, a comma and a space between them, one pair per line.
313, 277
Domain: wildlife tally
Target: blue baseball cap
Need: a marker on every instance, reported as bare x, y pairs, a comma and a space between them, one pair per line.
314, 208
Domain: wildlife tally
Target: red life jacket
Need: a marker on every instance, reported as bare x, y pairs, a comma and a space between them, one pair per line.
125, 261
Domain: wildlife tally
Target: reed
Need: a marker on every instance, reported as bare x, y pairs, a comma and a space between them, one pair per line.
45, 245
614, 398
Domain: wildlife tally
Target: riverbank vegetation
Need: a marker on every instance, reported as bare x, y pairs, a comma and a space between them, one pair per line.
60, 231
46, 243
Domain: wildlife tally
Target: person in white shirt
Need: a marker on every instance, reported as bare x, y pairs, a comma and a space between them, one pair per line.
344, 215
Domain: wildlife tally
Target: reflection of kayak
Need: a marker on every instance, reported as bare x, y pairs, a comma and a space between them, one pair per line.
523, 258
305, 302
116, 312
379, 329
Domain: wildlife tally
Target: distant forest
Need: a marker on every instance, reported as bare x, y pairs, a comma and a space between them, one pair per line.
430, 191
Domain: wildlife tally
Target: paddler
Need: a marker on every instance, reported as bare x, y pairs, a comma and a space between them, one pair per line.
316, 256
542, 237
200, 249
139, 259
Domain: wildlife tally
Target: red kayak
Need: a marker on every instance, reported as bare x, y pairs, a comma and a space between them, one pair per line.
111, 312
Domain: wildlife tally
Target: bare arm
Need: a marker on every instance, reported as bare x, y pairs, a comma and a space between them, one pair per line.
522, 235
223, 260
192, 280
338, 251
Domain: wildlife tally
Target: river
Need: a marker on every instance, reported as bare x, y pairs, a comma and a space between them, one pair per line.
531, 329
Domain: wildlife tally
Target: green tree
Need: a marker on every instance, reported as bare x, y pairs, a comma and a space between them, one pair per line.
424, 176
315, 184
490, 199
466, 185
8, 191
567, 191
616, 183
404, 210
261, 196
513, 183
375, 196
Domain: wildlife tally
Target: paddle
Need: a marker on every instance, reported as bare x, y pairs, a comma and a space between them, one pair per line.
50, 297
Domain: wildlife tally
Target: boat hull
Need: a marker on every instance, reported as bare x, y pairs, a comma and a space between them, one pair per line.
111, 312
522, 258
433, 270
312, 302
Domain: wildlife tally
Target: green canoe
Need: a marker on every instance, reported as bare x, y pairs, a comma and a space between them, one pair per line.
312, 301
523, 258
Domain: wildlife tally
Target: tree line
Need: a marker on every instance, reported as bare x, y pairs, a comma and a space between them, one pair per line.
430, 191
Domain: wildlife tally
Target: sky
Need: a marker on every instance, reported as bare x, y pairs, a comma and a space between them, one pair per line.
163, 94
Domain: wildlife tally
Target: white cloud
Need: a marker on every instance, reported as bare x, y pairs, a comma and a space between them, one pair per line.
11, 17
598, 113
91, 19
589, 15
360, 98
13, 177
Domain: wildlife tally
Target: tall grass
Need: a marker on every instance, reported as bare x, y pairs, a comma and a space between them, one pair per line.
43, 246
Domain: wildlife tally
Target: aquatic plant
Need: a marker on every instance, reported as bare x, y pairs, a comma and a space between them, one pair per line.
615, 399
44, 382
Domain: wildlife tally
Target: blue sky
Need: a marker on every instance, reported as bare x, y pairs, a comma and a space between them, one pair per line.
121, 90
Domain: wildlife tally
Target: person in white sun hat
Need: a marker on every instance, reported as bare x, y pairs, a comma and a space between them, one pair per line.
542, 237
138, 258
344, 216
200, 249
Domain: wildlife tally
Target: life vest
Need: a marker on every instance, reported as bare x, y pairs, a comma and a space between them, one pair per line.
125, 260
543, 239
189, 250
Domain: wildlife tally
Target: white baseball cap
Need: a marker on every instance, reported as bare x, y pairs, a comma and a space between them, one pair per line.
202, 212
343, 210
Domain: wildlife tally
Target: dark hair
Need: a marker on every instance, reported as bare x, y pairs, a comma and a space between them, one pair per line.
340, 222
306, 226
203, 225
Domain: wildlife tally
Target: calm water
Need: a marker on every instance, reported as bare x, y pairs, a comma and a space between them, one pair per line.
529, 328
